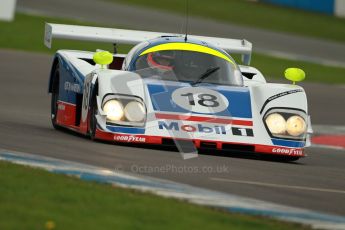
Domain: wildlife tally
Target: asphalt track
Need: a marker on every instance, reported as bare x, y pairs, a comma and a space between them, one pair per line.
268, 42
316, 182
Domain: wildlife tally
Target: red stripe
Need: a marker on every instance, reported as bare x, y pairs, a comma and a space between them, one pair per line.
203, 119
66, 113
330, 140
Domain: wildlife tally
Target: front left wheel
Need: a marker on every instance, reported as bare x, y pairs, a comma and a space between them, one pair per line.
92, 119
55, 97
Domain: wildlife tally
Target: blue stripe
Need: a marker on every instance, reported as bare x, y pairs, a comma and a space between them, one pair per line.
69, 73
13, 157
130, 130
288, 143
323, 6
100, 178
73, 71
238, 97
282, 214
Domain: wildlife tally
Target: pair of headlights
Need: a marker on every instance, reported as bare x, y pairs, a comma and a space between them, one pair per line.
118, 110
133, 111
286, 125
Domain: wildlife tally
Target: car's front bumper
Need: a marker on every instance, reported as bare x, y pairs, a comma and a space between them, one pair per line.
200, 144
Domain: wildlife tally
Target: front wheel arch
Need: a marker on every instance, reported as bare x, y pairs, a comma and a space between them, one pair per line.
55, 88
56, 64
93, 109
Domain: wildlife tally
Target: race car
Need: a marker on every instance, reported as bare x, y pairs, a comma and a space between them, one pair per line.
173, 89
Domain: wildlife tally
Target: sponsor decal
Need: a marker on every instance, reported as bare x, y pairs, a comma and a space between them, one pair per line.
278, 96
72, 87
175, 126
61, 107
201, 128
125, 138
288, 151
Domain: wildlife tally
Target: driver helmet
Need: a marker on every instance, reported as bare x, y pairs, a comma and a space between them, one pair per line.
161, 61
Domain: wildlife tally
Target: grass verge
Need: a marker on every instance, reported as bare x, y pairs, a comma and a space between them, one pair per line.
256, 14
30, 198
275, 67
26, 33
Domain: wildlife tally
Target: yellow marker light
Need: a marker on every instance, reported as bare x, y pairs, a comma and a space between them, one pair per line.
114, 110
103, 58
296, 126
276, 123
187, 47
135, 111
294, 74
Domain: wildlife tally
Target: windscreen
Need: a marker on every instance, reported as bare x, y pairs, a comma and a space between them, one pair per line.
188, 66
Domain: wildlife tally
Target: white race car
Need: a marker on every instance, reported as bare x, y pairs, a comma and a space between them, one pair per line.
175, 90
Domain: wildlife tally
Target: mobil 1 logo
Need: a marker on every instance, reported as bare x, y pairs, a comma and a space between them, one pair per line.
242, 132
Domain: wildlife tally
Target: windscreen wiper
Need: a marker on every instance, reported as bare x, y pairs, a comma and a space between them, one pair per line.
205, 75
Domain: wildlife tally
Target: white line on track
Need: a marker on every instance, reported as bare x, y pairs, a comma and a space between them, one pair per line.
327, 147
278, 185
329, 129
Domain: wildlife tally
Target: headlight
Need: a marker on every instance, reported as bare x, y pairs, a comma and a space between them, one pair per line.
135, 111
286, 123
124, 110
114, 110
296, 126
276, 123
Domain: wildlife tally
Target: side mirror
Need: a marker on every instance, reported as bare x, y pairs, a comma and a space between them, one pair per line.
103, 58
294, 74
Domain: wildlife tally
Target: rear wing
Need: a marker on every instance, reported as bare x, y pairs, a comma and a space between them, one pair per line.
133, 37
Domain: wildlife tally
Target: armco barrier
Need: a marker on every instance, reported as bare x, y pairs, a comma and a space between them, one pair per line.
332, 7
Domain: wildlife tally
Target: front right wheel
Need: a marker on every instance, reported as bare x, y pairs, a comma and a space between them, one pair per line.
280, 158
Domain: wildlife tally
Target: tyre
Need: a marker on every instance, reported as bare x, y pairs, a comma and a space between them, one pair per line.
290, 159
92, 119
280, 158
55, 97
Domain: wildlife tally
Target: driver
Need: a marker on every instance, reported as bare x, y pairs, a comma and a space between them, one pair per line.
162, 61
